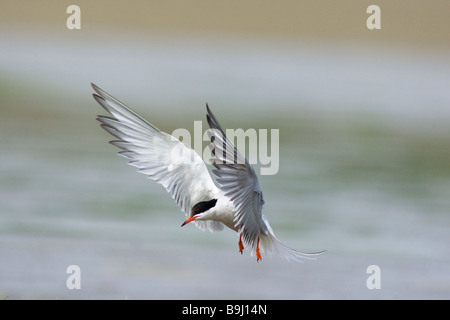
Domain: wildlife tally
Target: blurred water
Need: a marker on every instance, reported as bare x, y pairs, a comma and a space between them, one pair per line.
364, 170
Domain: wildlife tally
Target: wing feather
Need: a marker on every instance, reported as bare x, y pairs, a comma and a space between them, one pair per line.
158, 155
238, 180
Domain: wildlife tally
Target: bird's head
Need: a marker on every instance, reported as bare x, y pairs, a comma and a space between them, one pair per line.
199, 210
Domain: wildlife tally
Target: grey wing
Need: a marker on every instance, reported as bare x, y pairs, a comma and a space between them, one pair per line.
238, 180
160, 156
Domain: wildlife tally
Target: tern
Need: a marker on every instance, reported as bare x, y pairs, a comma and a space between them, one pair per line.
236, 202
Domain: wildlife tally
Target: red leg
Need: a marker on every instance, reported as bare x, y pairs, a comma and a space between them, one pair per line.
241, 245
258, 254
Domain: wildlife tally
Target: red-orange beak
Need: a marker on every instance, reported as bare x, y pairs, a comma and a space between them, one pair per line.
189, 219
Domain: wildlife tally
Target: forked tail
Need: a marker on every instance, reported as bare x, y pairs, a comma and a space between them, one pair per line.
271, 245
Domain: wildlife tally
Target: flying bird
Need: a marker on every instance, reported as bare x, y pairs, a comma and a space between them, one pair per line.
236, 202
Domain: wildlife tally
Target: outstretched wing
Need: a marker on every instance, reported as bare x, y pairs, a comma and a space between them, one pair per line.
160, 156
238, 180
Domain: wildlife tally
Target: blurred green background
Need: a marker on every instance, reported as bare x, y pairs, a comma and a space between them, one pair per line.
364, 126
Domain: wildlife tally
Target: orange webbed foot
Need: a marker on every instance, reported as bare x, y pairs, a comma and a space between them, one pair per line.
258, 254
241, 245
